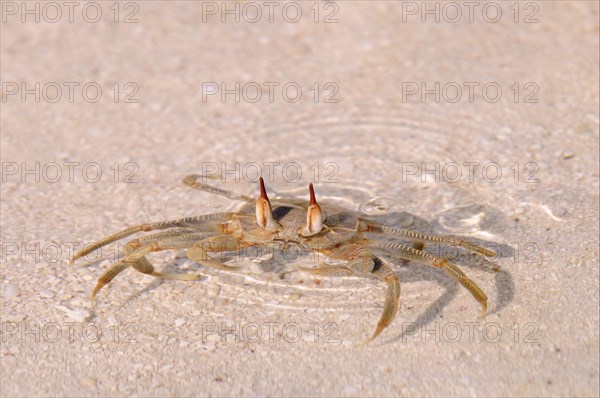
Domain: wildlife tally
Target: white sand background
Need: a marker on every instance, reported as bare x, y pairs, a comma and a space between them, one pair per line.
165, 338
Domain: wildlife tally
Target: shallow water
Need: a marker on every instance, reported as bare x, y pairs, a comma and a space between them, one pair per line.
373, 152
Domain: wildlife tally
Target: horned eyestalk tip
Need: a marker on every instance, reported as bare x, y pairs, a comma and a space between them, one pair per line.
315, 217
263, 191
264, 216
313, 201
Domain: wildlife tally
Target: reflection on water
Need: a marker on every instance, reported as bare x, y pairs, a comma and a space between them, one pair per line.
379, 206
473, 218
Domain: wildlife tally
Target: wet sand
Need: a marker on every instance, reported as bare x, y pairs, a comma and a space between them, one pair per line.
484, 128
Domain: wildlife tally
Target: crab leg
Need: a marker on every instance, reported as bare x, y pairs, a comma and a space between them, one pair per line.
136, 257
420, 237
197, 222
108, 276
183, 235
410, 253
199, 251
172, 233
329, 271
384, 272
361, 261
192, 182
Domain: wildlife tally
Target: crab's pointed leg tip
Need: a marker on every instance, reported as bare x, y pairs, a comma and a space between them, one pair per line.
377, 332
99, 286
74, 258
483, 312
367, 341
93, 298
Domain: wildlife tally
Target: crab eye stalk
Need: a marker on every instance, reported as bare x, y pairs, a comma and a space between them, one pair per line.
264, 217
315, 217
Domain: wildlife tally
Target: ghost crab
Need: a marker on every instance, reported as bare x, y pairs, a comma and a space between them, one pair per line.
332, 231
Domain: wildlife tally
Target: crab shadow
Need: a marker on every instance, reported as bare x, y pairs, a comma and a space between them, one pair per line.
150, 287
140, 292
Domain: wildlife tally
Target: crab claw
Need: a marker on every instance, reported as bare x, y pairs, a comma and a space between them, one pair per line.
264, 217
315, 217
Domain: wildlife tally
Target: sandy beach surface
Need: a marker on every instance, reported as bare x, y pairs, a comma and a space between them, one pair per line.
472, 119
